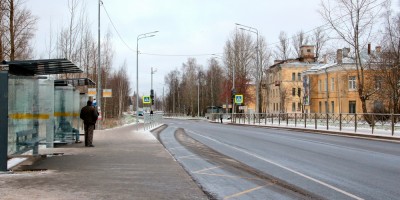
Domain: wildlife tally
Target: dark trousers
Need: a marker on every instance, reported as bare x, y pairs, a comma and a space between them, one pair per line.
88, 134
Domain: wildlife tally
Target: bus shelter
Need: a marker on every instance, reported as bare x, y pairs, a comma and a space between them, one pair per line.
68, 100
27, 108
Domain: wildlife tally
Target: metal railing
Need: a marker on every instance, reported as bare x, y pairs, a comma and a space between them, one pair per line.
371, 123
181, 116
151, 120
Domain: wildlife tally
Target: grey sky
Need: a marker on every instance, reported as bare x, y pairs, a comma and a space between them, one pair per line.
187, 27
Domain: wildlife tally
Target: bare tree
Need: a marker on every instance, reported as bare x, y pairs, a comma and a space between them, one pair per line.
17, 30
353, 23
239, 57
2, 27
387, 74
299, 40
283, 51
214, 82
190, 80
172, 80
319, 39
119, 83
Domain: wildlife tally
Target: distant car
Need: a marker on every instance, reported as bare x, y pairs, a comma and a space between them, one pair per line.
140, 113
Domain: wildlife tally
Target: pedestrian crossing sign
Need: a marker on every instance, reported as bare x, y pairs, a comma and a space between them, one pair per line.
239, 99
146, 100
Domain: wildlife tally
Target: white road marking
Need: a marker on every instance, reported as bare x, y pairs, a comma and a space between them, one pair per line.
203, 170
283, 167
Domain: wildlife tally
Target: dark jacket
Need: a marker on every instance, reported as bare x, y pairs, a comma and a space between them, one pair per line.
89, 115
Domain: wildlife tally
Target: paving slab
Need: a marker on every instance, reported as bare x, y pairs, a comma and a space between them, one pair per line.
124, 164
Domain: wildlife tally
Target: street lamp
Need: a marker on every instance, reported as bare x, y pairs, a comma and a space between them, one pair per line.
141, 36
254, 30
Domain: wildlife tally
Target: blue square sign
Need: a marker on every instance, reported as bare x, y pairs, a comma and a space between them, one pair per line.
239, 99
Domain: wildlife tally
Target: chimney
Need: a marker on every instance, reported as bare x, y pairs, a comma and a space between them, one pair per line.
378, 49
346, 52
325, 59
307, 53
369, 48
339, 56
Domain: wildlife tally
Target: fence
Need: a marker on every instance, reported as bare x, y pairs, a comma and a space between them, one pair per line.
370, 123
151, 120
181, 116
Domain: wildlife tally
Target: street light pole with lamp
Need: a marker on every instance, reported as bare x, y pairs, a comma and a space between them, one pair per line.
141, 36
254, 30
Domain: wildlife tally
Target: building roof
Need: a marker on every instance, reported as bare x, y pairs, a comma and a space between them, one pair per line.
41, 67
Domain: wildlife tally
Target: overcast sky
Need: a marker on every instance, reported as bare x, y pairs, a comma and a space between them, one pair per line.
186, 27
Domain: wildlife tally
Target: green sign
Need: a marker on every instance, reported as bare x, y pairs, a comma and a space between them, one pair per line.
146, 100
239, 99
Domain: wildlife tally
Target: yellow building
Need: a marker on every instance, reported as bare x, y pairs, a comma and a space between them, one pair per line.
282, 88
332, 87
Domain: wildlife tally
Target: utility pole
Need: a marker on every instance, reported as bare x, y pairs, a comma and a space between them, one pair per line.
99, 89
198, 98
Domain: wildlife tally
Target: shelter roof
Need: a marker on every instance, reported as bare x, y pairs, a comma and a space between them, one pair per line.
41, 67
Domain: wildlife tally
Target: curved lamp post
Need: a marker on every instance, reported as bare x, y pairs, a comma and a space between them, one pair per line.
141, 36
254, 30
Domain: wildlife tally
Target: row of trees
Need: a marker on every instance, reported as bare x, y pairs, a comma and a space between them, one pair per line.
352, 24
74, 41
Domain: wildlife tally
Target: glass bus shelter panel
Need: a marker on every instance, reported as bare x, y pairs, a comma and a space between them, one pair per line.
76, 114
23, 114
63, 114
46, 109
83, 98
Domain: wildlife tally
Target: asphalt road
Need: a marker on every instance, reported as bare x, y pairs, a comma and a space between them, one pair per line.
242, 162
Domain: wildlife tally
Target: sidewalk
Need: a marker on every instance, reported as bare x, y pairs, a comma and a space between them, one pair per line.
124, 164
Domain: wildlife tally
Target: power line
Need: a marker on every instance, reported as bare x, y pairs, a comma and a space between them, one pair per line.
119, 35
326, 24
180, 55
211, 54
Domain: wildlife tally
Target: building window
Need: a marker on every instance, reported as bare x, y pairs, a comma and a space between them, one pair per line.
319, 85
352, 106
299, 76
308, 50
378, 107
293, 76
293, 107
378, 83
299, 92
326, 107
332, 106
352, 82
332, 84
293, 91
326, 84
299, 106
319, 107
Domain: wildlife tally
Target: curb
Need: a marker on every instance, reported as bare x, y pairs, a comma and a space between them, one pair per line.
327, 132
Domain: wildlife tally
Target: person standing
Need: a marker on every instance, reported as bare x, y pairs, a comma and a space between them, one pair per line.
89, 116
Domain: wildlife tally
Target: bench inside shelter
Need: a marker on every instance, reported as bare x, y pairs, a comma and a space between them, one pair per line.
65, 132
27, 140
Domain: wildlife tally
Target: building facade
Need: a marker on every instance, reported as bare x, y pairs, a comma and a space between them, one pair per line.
332, 87
282, 88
